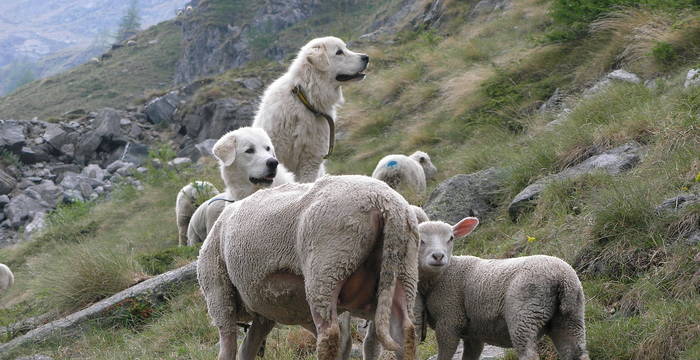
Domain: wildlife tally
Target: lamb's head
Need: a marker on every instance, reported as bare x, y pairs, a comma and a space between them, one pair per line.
437, 240
247, 153
331, 56
424, 160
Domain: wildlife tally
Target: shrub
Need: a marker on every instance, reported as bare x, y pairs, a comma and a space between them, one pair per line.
664, 53
162, 261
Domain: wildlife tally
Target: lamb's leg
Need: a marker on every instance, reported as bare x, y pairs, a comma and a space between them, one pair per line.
345, 336
219, 294
255, 337
472, 349
402, 329
371, 348
447, 339
182, 224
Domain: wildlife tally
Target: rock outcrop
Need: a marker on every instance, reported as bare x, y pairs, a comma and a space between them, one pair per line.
465, 195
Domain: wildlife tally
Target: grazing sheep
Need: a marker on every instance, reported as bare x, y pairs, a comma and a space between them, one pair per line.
6, 278
300, 253
298, 109
188, 200
507, 303
247, 164
400, 170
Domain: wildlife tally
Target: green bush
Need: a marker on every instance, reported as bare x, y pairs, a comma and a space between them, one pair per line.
664, 53
162, 261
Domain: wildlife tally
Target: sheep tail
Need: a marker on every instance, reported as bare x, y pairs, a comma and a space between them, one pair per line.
391, 258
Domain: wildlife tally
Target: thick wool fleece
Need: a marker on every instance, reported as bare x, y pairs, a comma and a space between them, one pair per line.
508, 303
187, 201
281, 253
405, 172
6, 278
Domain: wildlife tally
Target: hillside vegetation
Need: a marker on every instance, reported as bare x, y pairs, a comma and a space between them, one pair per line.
468, 93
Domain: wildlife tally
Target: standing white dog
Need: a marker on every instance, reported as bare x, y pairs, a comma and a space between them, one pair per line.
298, 109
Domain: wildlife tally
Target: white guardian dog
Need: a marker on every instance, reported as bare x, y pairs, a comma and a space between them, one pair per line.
298, 110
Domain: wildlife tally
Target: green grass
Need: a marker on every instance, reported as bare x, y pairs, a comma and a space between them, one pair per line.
116, 82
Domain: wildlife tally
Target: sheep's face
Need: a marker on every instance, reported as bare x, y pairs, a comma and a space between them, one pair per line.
436, 243
331, 56
247, 152
424, 160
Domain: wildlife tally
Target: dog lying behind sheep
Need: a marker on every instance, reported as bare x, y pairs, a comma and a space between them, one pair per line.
247, 163
188, 200
6, 278
403, 172
302, 253
508, 302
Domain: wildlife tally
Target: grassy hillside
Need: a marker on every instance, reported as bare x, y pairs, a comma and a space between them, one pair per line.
467, 93
116, 82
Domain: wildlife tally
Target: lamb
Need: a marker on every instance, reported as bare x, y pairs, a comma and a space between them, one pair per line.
188, 200
247, 163
300, 253
508, 302
403, 172
6, 278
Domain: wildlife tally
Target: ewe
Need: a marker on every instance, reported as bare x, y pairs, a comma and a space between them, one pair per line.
411, 172
189, 198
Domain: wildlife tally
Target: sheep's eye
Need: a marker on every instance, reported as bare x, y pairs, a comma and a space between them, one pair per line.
451, 238
339, 52
250, 151
267, 148
422, 159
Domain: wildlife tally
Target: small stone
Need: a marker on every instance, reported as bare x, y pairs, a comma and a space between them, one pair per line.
692, 78
181, 161
124, 122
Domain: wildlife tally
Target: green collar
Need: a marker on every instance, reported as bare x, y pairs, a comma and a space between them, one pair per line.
299, 93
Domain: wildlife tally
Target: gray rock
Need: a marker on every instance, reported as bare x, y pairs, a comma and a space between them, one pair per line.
205, 147
615, 161
214, 119
189, 151
554, 103
692, 78
37, 224
117, 165
7, 182
4, 200
135, 132
94, 171
124, 122
72, 195
465, 195
12, 135
73, 181
678, 202
85, 190
161, 109
32, 155
489, 353
134, 153
615, 76
49, 192
180, 161
125, 170
485, 7
60, 169
250, 83
24, 207
107, 134
55, 136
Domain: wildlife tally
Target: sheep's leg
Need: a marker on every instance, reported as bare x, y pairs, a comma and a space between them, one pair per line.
371, 349
255, 337
401, 327
227, 345
447, 339
472, 349
325, 316
182, 224
345, 336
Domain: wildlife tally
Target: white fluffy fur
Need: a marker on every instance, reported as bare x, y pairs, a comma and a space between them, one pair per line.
406, 172
188, 199
6, 278
239, 169
302, 138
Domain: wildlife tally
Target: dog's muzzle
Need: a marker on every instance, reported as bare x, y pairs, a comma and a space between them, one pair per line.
356, 76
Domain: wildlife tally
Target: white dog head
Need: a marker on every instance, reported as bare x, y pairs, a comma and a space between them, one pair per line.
331, 56
246, 155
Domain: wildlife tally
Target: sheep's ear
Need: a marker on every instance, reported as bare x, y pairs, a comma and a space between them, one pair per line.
225, 149
318, 58
464, 227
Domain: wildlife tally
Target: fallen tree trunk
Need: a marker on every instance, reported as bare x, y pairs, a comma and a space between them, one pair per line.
152, 290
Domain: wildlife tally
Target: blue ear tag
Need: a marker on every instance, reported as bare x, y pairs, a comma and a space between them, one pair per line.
392, 163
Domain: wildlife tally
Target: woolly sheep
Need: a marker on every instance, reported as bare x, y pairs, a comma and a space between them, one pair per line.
401, 170
6, 278
188, 199
300, 253
244, 172
505, 302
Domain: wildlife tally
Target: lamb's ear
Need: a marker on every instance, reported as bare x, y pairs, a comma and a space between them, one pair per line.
464, 227
318, 58
225, 149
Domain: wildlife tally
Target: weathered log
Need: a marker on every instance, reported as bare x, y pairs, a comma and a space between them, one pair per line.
153, 289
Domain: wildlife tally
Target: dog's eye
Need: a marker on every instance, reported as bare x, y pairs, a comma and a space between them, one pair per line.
267, 148
451, 238
250, 151
339, 52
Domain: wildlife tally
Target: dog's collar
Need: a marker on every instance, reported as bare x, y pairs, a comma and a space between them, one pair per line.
220, 199
299, 93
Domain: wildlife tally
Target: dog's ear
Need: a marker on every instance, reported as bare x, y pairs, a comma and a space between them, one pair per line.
225, 149
318, 57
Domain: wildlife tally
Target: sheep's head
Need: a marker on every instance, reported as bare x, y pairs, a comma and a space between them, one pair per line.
437, 240
424, 160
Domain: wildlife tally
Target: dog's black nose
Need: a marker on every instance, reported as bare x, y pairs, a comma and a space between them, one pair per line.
438, 256
272, 163
365, 58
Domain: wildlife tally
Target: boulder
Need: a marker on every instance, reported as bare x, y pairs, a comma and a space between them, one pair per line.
134, 153
214, 119
35, 226
4, 200
7, 182
692, 78
205, 147
113, 167
161, 109
615, 76
615, 161
465, 195
73, 181
190, 151
24, 207
12, 135
94, 171
55, 136
49, 192
106, 135
72, 195
33, 155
